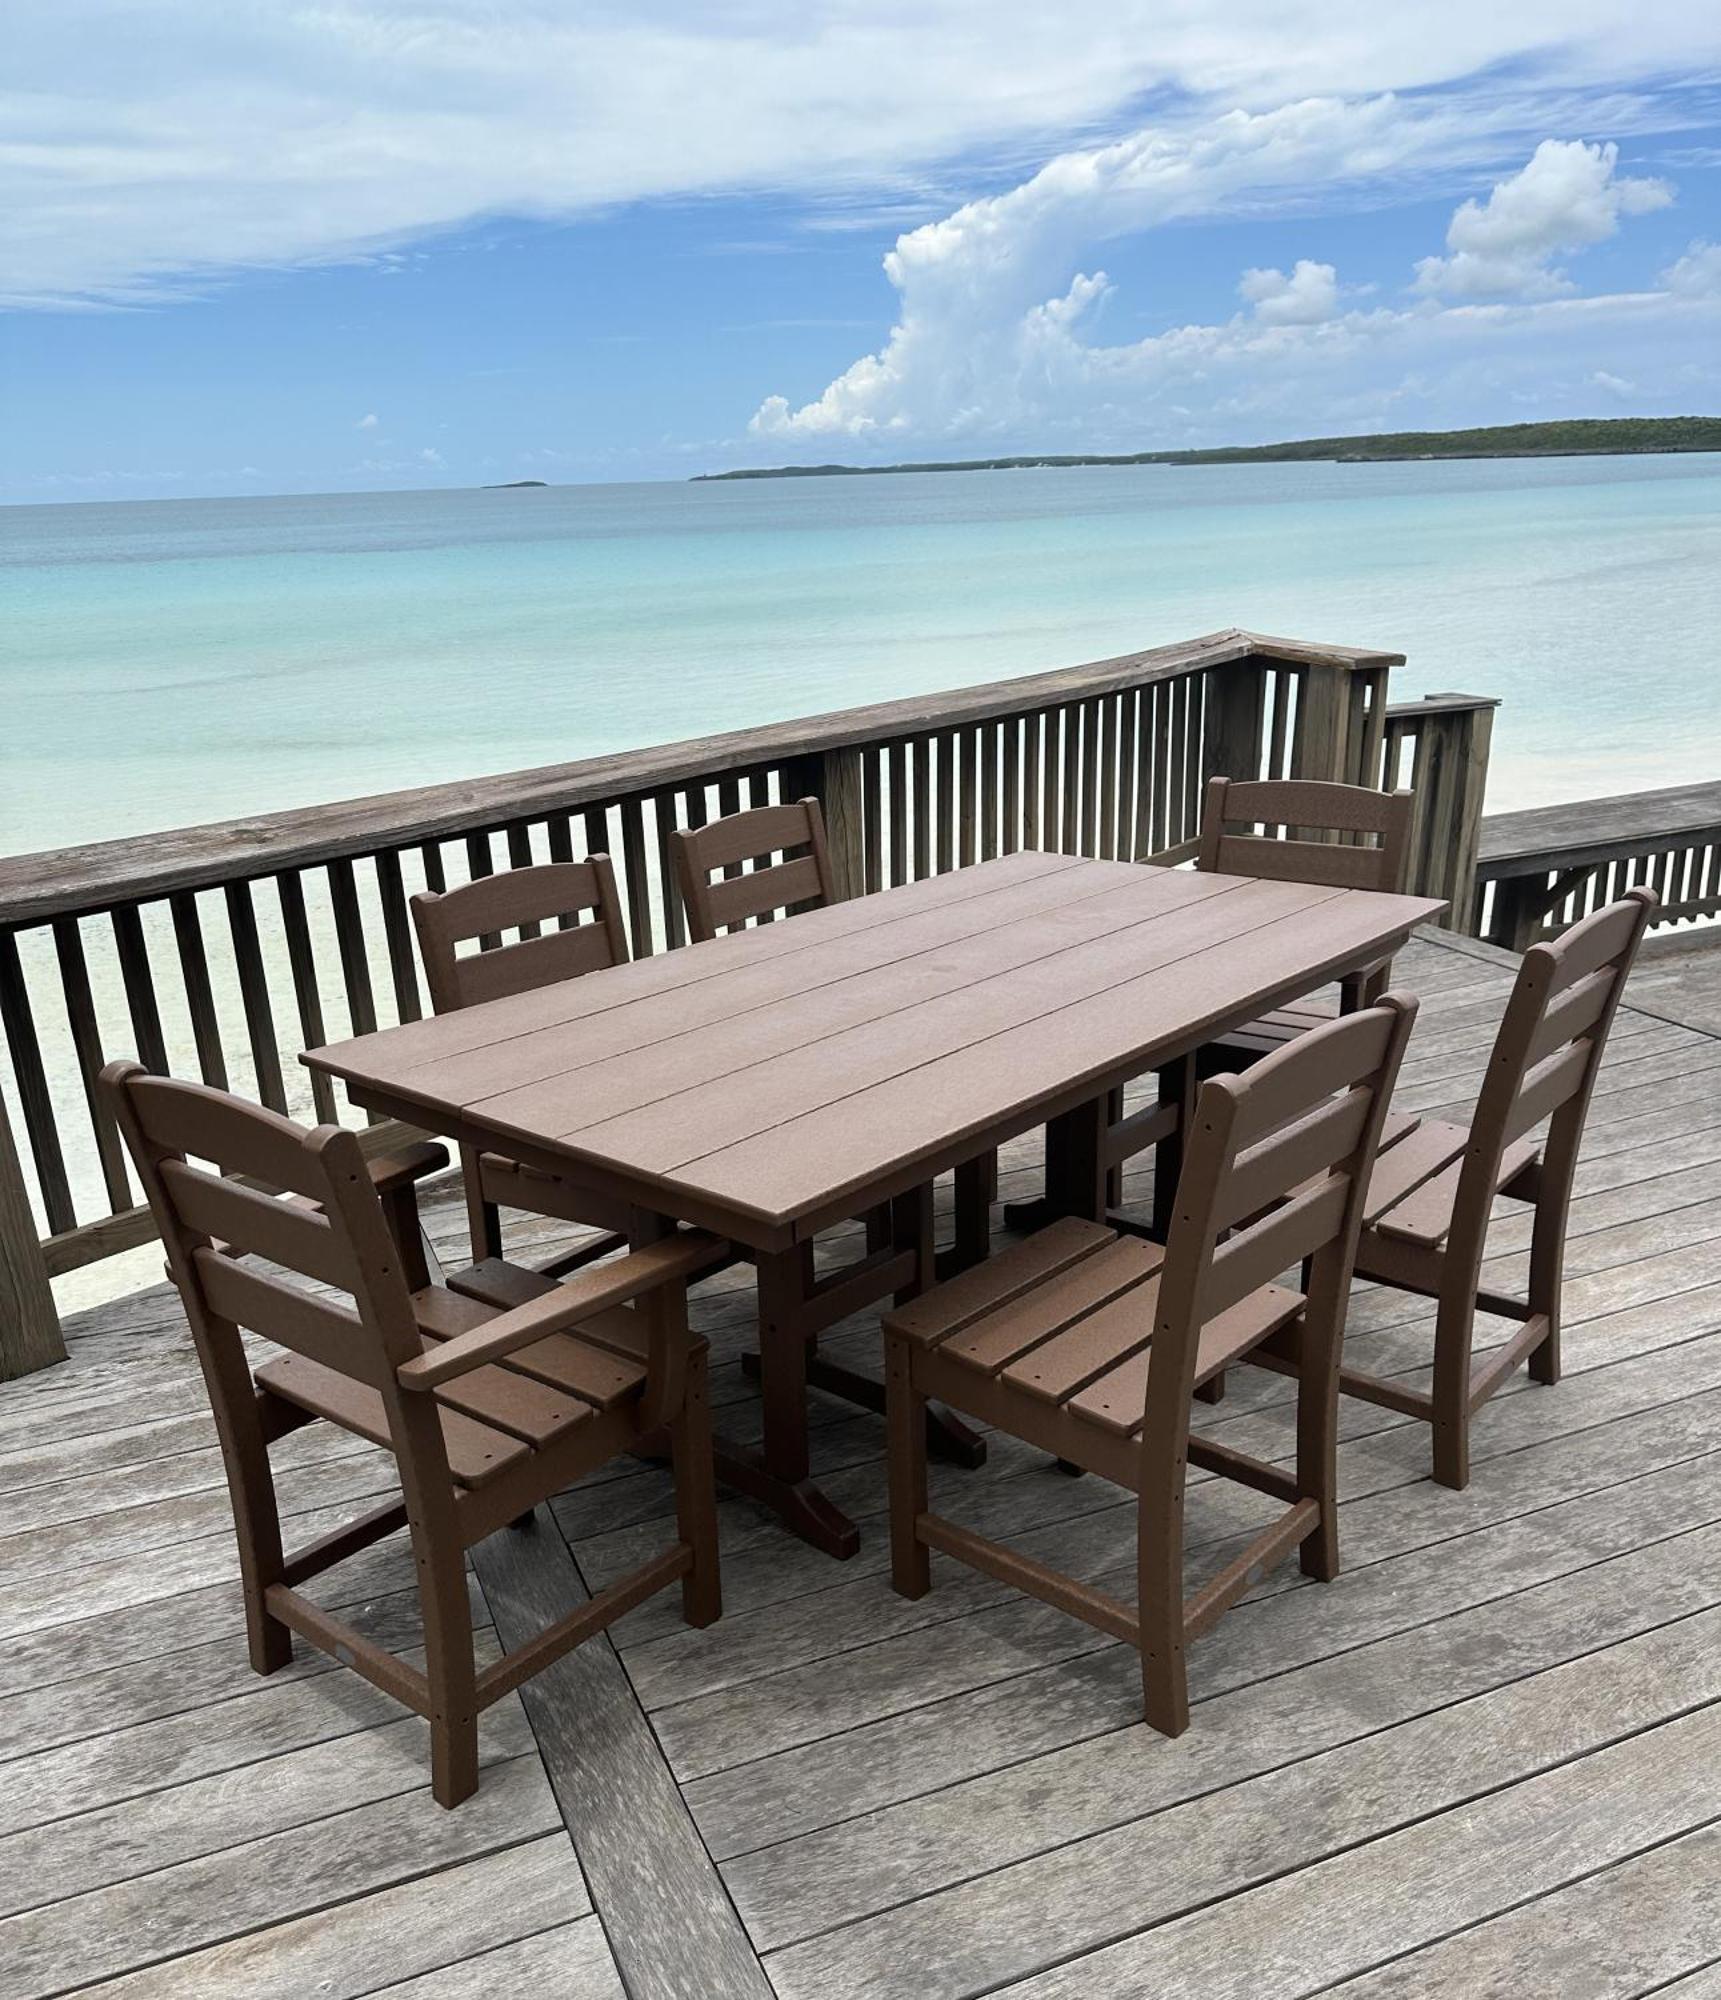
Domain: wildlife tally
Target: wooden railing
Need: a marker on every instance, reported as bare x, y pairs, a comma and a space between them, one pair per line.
1542, 870
222, 951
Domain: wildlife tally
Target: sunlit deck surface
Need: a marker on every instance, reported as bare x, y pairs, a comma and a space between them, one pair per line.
1487, 1759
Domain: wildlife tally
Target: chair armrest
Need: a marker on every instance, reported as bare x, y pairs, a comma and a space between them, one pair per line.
411, 1163
670, 1263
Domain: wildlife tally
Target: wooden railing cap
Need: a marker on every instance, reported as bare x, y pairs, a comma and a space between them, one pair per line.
103, 874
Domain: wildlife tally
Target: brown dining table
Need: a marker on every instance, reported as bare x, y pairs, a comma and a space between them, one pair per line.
770, 1083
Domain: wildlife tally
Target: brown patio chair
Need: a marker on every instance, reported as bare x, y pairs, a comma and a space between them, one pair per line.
1426, 1216
1301, 807
791, 867
487, 1413
1089, 1344
568, 921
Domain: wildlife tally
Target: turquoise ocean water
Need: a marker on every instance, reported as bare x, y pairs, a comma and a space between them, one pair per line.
167, 662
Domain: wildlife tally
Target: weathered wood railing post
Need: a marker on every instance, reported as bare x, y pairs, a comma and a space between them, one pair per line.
1322, 746
841, 794
1236, 709
1450, 778
29, 1326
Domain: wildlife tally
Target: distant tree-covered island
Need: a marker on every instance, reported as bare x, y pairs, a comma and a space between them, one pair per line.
1582, 437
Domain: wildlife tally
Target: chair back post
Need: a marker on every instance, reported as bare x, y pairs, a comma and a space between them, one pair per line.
579, 897
799, 880
1545, 1059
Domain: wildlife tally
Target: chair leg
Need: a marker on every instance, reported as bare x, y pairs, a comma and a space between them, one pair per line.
1453, 1328
257, 1528
1159, 1611
696, 1497
905, 1413
1547, 1260
449, 1665
1545, 1358
1318, 1459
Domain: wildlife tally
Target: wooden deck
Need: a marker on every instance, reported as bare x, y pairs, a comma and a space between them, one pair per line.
1486, 1760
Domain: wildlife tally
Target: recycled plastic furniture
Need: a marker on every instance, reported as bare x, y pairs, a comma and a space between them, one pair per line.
1089, 1344
1425, 1227
577, 900
770, 1083
487, 1413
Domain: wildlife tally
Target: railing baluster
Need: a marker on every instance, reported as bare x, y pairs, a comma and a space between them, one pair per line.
519, 838
664, 821
922, 748
968, 796
1033, 726
872, 807
638, 883
350, 938
397, 934
302, 963
87, 1041
199, 992
34, 1099
1010, 745
139, 985
896, 767
1071, 779
254, 994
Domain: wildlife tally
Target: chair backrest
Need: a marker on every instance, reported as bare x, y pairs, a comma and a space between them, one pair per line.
578, 898
1544, 1061
791, 867
190, 1144
1301, 806
1276, 1165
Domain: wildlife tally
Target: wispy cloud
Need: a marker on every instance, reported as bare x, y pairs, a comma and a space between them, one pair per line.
157, 146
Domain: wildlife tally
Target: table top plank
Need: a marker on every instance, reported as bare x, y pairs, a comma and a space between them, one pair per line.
663, 1135
751, 1047
391, 1052
762, 1078
849, 972
807, 1165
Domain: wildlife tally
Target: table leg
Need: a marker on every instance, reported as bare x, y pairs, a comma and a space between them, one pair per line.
1176, 1086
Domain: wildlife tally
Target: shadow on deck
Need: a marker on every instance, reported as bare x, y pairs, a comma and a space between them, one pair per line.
1483, 1760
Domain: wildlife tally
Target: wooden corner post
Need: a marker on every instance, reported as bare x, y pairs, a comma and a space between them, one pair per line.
1451, 779
839, 789
1235, 703
30, 1335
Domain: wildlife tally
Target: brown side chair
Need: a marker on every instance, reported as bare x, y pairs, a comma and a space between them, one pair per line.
1303, 806
487, 1413
1089, 1344
1425, 1221
568, 921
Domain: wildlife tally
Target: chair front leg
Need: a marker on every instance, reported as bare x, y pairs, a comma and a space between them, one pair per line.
1159, 1606
483, 1220
449, 1663
1454, 1331
905, 1417
696, 1495
1318, 1354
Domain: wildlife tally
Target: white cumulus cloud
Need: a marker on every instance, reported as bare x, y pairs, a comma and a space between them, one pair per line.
1696, 275
367, 423
1309, 295
998, 337
1565, 198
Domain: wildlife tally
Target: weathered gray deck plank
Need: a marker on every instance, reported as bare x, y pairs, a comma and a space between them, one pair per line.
1322, 1924
1627, 1931
917, 1787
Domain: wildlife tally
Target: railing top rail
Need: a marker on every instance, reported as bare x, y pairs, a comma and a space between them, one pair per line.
1439, 704
1593, 830
36, 887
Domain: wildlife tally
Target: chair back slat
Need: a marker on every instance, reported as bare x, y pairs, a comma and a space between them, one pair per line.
191, 1120
1576, 1011
246, 1222
801, 879
1303, 805
580, 897
1554, 1081
1255, 1256
1293, 1154
316, 1328
782, 887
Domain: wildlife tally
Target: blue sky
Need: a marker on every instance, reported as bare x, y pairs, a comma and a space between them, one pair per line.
372, 244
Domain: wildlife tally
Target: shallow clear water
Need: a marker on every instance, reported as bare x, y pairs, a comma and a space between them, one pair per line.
174, 661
